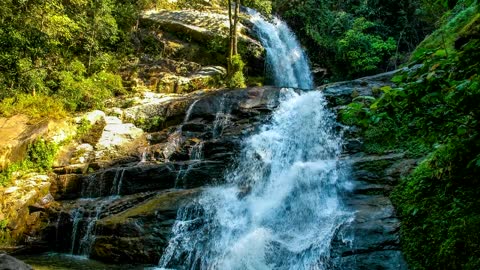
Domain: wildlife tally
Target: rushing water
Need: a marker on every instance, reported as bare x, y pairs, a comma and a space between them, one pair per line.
282, 203
286, 60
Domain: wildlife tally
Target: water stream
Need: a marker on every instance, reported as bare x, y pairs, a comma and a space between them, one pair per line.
287, 62
282, 203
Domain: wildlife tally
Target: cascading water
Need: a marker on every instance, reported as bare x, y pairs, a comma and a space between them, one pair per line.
281, 205
286, 60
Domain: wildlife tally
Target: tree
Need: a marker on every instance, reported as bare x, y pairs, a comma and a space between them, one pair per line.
235, 63
233, 23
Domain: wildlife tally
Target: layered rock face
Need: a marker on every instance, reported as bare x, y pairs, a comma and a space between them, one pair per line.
123, 211
122, 208
371, 240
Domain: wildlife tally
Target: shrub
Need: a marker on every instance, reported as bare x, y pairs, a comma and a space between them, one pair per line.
85, 93
41, 154
36, 107
363, 52
236, 78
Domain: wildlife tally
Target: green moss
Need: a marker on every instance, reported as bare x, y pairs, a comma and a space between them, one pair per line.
41, 154
439, 206
162, 202
458, 22
255, 80
236, 79
150, 125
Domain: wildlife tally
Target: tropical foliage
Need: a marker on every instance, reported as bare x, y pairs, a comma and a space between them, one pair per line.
434, 112
354, 38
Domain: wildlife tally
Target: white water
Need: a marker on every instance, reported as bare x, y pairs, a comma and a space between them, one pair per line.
281, 205
286, 60
175, 139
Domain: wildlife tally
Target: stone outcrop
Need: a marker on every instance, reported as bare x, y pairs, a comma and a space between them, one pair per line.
22, 210
371, 240
141, 232
117, 137
10, 263
185, 50
342, 93
17, 133
132, 202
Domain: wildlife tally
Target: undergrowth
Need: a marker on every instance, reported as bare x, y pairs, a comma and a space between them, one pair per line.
40, 157
434, 113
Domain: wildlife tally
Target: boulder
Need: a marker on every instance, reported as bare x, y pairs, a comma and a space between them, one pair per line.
140, 233
8, 262
22, 207
210, 31
17, 133
117, 139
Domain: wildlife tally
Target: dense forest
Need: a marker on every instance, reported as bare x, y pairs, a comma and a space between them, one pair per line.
62, 57
72, 50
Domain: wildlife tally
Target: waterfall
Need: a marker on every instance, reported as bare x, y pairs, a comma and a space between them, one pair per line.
282, 203
286, 61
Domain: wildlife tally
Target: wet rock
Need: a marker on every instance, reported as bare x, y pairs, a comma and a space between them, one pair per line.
379, 260
67, 186
8, 262
342, 93
371, 240
141, 233
201, 173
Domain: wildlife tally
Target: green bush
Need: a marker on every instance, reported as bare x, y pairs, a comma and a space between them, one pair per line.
84, 93
236, 79
36, 107
263, 6
41, 154
363, 52
40, 157
150, 125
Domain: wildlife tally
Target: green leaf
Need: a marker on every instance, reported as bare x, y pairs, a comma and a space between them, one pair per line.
386, 89
461, 130
397, 79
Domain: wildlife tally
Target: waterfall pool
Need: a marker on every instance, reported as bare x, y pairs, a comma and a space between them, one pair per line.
59, 261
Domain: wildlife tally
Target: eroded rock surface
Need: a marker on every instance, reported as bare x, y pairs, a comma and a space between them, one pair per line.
371, 240
185, 50
122, 210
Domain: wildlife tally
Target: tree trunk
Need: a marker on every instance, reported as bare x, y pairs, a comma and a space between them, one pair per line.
230, 37
235, 23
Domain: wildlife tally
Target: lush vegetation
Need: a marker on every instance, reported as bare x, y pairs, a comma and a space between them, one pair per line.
40, 157
434, 112
59, 56
354, 38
